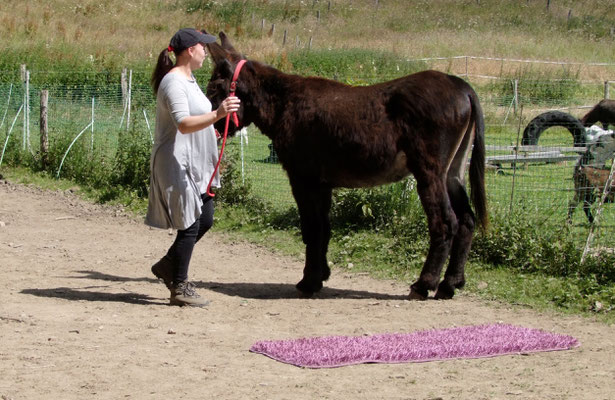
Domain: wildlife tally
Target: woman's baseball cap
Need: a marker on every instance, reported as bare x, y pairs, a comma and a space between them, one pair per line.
188, 37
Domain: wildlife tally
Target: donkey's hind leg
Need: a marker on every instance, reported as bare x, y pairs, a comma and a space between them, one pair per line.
442, 225
454, 277
587, 207
314, 202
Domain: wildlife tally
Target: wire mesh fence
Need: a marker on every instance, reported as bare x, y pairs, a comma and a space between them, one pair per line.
538, 154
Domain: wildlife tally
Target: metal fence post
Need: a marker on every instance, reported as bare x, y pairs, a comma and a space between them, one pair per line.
92, 141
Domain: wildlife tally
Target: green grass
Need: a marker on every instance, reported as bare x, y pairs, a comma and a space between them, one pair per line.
384, 257
91, 36
397, 251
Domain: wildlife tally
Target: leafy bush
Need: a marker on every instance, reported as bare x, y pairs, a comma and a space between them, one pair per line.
372, 207
519, 242
233, 189
132, 162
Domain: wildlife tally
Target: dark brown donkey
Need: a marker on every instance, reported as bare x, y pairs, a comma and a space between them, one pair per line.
603, 112
327, 135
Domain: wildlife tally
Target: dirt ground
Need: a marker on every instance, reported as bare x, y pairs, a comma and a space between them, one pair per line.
81, 316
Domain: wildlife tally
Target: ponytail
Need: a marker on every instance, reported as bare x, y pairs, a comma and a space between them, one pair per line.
163, 66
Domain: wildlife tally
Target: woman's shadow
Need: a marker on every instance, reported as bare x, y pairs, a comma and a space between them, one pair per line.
88, 293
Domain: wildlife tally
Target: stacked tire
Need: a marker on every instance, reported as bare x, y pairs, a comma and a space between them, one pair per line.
546, 120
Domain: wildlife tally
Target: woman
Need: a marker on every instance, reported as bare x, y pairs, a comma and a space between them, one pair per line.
183, 159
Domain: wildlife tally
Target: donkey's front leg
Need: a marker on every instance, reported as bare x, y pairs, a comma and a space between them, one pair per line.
314, 202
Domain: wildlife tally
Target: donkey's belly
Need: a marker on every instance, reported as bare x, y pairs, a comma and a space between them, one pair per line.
358, 176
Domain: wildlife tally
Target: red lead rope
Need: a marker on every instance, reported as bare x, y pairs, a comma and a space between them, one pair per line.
228, 118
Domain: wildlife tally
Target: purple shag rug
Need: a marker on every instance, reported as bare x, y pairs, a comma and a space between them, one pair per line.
429, 345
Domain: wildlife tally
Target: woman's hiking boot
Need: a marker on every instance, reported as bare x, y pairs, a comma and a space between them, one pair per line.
163, 269
184, 294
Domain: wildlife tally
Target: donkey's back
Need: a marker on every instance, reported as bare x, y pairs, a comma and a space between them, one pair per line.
371, 135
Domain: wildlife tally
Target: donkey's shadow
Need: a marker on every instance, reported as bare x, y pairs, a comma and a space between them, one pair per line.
280, 291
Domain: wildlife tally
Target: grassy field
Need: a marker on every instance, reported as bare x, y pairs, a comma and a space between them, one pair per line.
93, 35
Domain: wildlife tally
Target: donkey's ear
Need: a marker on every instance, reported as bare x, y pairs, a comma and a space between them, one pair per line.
226, 42
233, 54
217, 52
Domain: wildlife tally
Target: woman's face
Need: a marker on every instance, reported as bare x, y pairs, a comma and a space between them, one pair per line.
198, 53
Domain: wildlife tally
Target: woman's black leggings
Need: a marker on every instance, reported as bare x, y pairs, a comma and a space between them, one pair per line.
180, 251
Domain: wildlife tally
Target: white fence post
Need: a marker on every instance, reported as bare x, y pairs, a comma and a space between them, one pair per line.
92, 142
149, 130
129, 99
24, 79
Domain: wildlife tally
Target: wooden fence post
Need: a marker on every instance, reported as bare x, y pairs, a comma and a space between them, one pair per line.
44, 130
467, 73
124, 84
516, 95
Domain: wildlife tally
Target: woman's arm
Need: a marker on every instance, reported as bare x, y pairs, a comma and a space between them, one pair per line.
195, 123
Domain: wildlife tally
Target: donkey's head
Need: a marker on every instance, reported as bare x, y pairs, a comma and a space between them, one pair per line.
225, 59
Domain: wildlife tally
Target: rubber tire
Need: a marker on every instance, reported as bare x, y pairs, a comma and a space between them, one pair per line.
546, 120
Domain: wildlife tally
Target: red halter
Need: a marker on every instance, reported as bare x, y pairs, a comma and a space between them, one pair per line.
228, 117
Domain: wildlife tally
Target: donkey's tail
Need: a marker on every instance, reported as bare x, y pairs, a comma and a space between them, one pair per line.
477, 163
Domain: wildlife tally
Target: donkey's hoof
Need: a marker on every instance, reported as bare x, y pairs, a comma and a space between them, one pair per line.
308, 289
446, 290
414, 295
443, 294
305, 295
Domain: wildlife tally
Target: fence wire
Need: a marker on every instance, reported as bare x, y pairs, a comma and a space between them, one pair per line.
528, 173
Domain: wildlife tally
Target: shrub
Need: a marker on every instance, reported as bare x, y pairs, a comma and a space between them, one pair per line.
233, 189
372, 207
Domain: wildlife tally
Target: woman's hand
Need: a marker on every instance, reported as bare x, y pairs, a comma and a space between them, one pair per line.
228, 105
195, 123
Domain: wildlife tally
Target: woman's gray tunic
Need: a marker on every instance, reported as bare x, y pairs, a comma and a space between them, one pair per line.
181, 164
